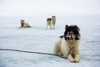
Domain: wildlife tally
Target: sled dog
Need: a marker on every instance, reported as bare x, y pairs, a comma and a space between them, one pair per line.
70, 39
51, 22
24, 24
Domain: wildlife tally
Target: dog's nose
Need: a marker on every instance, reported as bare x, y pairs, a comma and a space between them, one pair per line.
69, 38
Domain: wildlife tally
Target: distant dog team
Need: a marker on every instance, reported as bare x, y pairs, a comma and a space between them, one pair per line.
62, 46
50, 23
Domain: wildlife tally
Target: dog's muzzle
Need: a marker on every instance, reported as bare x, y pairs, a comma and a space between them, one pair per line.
69, 38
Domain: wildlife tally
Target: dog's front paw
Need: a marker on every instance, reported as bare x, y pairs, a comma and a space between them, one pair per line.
72, 60
76, 60
59, 53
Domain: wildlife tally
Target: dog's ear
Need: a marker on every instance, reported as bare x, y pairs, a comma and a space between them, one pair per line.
21, 20
76, 27
66, 27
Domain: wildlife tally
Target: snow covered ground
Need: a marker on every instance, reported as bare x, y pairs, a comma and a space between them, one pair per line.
39, 39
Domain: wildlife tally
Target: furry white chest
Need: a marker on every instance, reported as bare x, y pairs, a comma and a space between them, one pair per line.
65, 47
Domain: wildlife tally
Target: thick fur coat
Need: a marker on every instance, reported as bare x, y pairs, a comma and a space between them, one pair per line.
24, 24
71, 38
51, 22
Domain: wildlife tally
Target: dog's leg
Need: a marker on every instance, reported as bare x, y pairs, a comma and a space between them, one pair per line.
21, 27
27, 25
77, 58
57, 49
54, 26
47, 26
70, 58
50, 26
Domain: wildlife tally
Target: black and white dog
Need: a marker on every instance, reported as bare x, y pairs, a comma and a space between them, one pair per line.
71, 38
51, 22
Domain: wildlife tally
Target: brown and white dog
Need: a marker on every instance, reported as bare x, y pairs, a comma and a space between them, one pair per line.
70, 39
51, 22
24, 24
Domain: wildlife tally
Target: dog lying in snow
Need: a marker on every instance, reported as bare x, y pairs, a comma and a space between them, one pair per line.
24, 24
70, 39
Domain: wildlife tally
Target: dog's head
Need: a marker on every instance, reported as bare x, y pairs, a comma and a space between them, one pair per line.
22, 21
53, 16
71, 32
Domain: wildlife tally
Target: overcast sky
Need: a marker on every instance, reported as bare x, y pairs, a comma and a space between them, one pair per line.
43, 7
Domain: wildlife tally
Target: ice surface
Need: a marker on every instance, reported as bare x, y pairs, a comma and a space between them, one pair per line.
39, 39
